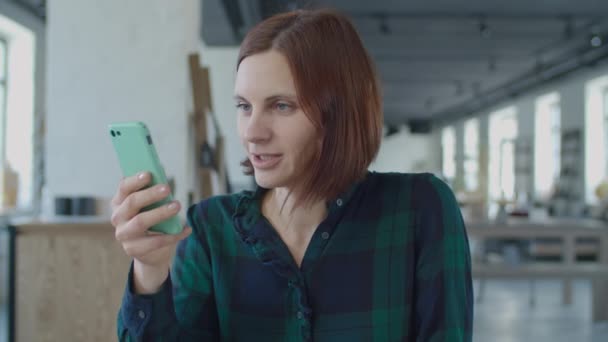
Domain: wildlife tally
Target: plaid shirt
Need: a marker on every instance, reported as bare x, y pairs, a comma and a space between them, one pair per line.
390, 262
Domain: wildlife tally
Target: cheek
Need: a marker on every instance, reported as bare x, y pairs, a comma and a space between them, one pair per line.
307, 147
240, 127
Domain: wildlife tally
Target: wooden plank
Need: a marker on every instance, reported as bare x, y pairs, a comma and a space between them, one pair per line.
221, 164
68, 287
61, 225
206, 89
198, 95
200, 130
200, 91
205, 186
196, 83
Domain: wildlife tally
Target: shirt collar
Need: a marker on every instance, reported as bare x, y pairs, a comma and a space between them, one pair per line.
250, 200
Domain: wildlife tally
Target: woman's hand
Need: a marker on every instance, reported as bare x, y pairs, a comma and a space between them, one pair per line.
151, 252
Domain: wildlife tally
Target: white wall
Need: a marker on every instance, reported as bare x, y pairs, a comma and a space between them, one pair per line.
221, 62
116, 61
406, 152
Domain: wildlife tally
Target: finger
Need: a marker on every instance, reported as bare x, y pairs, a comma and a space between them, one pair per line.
133, 204
140, 223
130, 184
139, 247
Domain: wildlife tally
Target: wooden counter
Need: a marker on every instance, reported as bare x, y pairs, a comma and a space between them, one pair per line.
70, 277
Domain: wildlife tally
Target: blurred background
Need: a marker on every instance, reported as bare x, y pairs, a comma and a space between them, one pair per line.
507, 101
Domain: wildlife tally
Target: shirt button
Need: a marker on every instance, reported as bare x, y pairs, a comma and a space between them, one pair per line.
141, 314
339, 202
325, 235
300, 315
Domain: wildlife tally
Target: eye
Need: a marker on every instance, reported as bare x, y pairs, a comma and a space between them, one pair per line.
243, 106
283, 107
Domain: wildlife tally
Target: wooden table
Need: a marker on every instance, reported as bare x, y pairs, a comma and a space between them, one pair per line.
67, 278
568, 230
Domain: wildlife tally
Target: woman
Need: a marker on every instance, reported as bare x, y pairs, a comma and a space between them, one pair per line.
323, 249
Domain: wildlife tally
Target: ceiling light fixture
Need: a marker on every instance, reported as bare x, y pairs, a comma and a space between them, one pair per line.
596, 40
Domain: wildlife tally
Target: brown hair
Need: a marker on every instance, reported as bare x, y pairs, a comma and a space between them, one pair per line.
337, 89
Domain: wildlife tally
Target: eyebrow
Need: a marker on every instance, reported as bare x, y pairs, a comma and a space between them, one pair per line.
269, 98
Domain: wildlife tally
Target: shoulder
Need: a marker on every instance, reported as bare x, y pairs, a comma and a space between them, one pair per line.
418, 182
422, 191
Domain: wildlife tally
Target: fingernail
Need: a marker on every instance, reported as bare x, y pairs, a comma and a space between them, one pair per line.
141, 175
172, 206
162, 189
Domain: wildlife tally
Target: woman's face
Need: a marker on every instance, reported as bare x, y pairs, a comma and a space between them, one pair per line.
278, 137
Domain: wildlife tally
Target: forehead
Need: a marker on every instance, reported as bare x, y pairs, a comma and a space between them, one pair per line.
264, 74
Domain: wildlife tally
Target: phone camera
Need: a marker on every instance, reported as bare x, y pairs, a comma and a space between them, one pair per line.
118, 133
112, 132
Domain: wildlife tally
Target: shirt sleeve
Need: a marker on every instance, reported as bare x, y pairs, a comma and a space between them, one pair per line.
444, 291
184, 309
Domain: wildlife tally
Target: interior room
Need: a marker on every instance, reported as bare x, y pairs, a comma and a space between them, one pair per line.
504, 101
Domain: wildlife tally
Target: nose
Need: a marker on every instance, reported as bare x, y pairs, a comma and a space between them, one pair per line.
258, 129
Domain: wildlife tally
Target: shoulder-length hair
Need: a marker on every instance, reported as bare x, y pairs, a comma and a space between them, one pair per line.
337, 89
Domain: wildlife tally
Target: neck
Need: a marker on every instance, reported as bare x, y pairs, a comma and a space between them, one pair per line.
281, 203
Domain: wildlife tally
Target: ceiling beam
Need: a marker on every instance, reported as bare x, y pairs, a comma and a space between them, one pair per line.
585, 57
473, 15
38, 8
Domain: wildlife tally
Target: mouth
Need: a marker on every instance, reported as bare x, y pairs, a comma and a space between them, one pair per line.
265, 161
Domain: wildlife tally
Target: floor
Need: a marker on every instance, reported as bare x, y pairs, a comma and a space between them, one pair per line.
3, 322
504, 314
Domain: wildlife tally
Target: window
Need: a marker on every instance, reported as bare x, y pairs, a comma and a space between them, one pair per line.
547, 145
605, 107
17, 55
448, 147
3, 86
471, 155
596, 130
502, 131
5, 189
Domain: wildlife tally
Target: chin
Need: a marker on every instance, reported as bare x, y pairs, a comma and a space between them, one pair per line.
269, 180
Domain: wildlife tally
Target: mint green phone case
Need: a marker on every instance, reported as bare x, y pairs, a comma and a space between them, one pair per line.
135, 150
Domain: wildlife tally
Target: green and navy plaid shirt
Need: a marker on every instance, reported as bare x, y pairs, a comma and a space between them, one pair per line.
390, 262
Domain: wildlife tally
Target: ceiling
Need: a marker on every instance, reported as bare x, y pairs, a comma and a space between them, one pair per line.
442, 60
37, 7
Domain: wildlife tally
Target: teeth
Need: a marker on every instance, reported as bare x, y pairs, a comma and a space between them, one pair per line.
266, 157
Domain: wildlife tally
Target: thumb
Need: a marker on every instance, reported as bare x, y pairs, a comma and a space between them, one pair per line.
184, 234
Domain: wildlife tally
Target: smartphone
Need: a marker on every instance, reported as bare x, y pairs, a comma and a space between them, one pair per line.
136, 153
